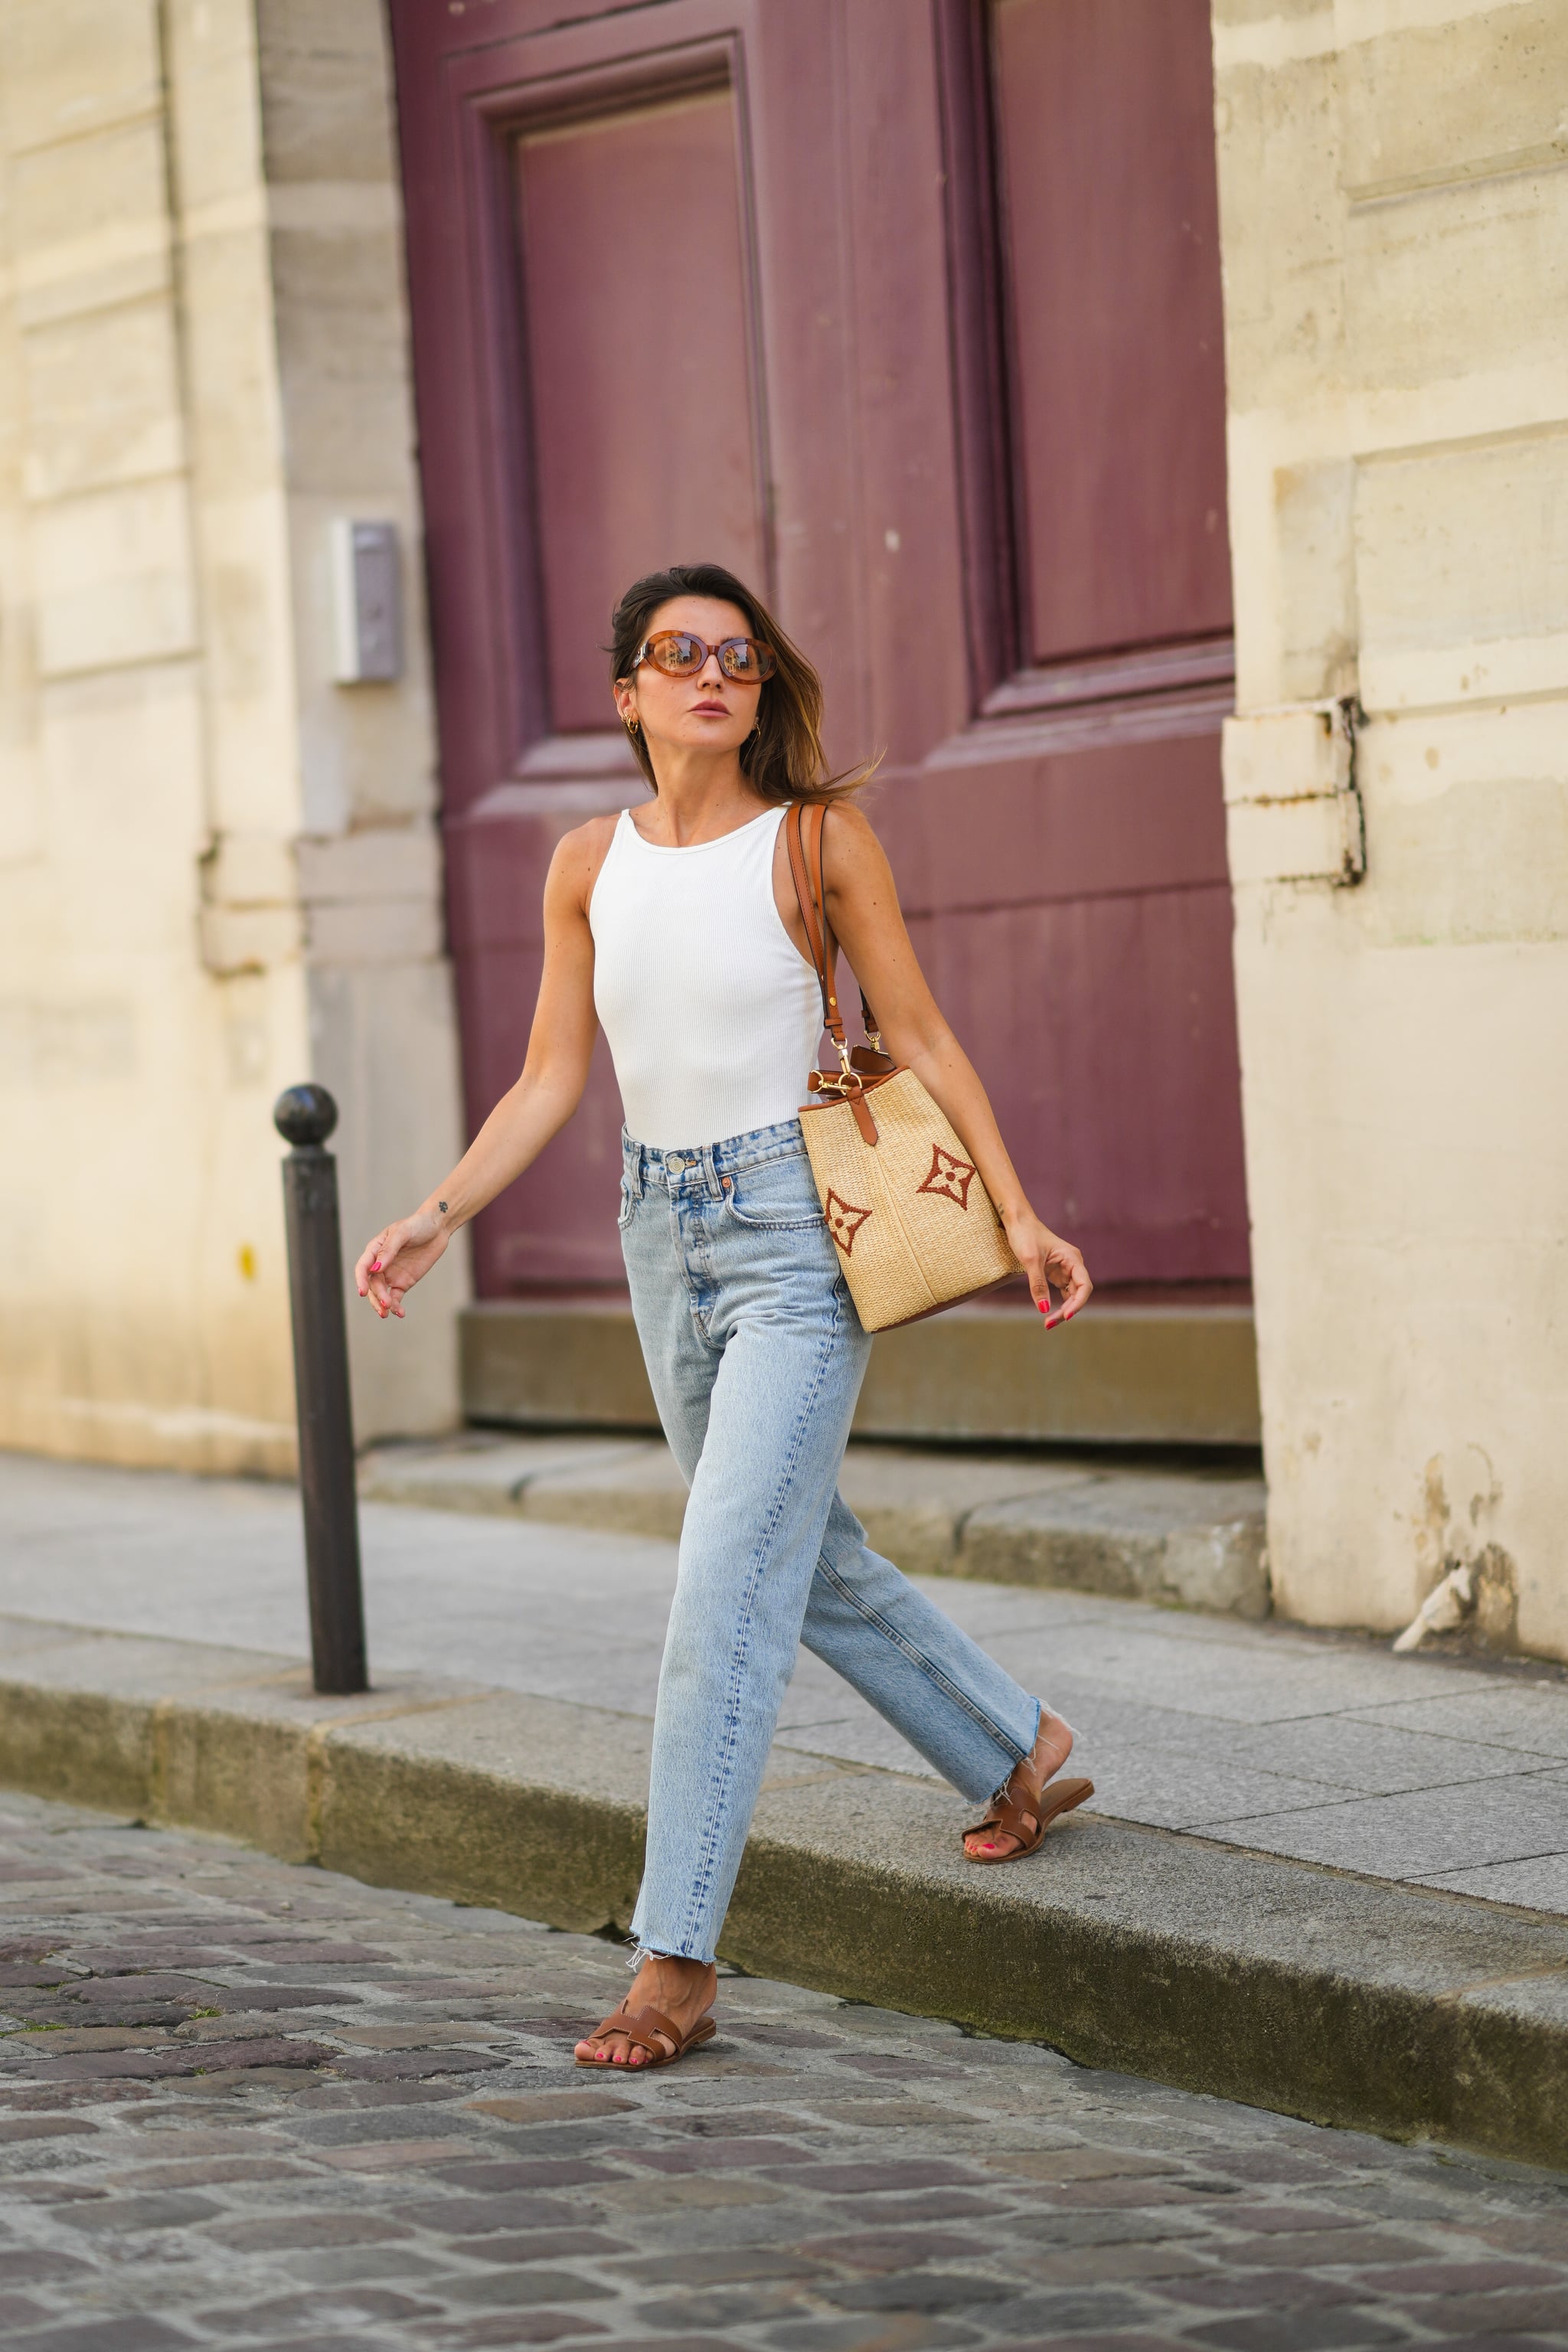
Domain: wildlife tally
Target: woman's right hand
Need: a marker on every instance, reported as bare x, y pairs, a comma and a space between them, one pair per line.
393, 1263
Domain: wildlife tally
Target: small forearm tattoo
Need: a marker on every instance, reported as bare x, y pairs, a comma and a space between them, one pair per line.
442, 1206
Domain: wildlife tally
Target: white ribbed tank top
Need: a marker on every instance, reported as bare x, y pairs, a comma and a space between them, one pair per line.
711, 1012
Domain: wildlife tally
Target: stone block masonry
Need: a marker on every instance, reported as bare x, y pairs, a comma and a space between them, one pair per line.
218, 872
1393, 192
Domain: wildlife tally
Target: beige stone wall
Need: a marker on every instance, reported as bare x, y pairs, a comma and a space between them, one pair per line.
219, 871
1394, 180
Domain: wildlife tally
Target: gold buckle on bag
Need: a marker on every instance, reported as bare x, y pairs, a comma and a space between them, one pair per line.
849, 1081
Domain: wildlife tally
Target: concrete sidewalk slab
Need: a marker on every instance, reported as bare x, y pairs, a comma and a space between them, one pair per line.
1254, 1735
1191, 1537
1324, 1995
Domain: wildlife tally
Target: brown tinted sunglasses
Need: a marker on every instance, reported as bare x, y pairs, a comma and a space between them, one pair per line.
680, 655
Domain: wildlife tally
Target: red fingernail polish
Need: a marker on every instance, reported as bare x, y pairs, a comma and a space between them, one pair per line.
1043, 1307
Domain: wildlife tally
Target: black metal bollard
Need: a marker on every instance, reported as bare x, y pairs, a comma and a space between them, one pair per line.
305, 1117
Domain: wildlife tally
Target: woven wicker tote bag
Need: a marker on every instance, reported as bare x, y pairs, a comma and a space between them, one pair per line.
913, 1224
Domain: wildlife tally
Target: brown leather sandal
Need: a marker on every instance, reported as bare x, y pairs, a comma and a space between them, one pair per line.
1025, 1811
641, 2028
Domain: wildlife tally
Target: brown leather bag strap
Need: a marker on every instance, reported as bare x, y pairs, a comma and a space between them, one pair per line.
819, 940
803, 838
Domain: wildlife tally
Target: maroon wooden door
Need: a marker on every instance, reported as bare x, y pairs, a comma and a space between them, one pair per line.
911, 314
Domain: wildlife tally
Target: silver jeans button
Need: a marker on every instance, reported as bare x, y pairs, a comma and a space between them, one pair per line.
675, 1163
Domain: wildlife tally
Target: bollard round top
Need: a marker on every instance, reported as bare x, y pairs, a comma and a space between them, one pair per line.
305, 1114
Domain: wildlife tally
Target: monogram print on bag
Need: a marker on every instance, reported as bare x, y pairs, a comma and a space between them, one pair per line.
843, 1221
949, 1175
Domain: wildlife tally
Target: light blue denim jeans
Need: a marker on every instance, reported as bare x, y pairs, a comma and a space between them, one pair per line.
756, 1356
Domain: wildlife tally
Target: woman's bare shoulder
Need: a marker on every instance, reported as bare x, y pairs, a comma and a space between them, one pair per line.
578, 855
849, 818
591, 840
850, 842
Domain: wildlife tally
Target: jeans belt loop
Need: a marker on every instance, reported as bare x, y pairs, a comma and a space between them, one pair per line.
711, 1171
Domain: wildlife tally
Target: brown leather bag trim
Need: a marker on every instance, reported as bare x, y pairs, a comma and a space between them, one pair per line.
802, 840
860, 1110
830, 1081
830, 1085
818, 942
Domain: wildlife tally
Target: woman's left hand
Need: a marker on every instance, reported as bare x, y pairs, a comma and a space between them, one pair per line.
1049, 1262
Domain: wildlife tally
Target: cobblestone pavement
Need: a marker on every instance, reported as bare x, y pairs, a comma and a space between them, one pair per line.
247, 2105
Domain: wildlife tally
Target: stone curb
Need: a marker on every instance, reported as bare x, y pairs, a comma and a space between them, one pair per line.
1344, 2001
1191, 1539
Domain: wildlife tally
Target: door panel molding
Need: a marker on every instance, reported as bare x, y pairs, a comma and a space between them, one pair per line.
981, 408
1145, 669
477, 428
1090, 726
1018, 705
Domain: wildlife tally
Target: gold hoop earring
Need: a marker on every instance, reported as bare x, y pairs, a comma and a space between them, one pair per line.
631, 724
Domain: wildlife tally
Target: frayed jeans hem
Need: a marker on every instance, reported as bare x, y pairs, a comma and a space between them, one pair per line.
641, 1952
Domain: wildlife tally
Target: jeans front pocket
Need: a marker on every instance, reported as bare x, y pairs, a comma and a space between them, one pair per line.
778, 1197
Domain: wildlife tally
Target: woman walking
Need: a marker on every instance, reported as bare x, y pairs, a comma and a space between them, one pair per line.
675, 926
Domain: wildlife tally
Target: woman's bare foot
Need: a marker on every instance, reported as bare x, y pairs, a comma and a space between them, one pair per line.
1051, 1750
682, 1990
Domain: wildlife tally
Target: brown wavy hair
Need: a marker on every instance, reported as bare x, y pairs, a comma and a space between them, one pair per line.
782, 759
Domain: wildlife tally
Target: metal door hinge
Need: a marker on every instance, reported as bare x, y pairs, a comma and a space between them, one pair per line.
1294, 810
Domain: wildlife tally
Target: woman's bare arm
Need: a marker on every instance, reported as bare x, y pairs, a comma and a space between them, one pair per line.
560, 1047
863, 908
